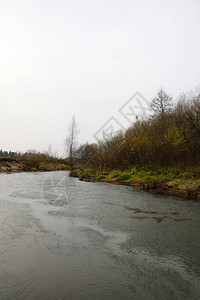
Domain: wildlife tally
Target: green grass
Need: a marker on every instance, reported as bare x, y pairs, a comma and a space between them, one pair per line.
180, 183
174, 175
101, 177
124, 176
115, 175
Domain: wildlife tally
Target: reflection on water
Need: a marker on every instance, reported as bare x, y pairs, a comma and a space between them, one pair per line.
66, 239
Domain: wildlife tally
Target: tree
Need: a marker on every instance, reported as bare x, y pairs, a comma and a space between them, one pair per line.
71, 140
161, 103
50, 152
188, 116
161, 106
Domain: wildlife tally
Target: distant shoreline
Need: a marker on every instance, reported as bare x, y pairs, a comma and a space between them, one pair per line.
32, 164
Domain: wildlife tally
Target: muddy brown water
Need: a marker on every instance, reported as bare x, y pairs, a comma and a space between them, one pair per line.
61, 238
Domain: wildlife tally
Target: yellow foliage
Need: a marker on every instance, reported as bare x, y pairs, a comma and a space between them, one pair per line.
175, 138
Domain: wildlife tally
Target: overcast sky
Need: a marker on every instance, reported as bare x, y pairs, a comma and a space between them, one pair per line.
86, 58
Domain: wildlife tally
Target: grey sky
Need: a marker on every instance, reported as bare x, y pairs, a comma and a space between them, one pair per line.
86, 58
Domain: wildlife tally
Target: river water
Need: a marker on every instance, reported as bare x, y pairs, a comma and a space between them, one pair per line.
61, 238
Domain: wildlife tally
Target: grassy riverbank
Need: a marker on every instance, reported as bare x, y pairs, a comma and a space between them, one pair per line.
174, 182
38, 163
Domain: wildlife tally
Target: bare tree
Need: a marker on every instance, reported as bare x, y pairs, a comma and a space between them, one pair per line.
161, 103
71, 140
50, 152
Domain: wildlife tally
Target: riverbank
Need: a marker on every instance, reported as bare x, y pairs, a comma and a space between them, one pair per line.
173, 182
33, 164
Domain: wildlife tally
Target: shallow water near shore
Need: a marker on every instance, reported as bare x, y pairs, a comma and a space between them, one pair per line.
61, 238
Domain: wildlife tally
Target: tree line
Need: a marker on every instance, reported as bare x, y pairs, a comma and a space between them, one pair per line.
13, 154
28, 154
168, 137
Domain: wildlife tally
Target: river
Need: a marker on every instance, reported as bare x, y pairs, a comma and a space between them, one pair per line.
61, 238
